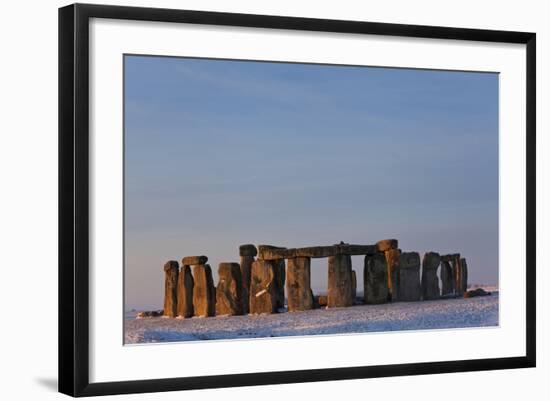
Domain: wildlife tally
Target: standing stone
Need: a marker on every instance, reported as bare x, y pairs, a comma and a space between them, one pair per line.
229, 291
248, 250
447, 286
246, 267
247, 253
194, 260
386, 244
457, 274
171, 269
353, 285
392, 261
298, 284
185, 292
339, 281
263, 298
409, 277
464, 275
279, 269
375, 279
430, 281
204, 292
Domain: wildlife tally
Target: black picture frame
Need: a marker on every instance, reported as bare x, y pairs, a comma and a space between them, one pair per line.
74, 201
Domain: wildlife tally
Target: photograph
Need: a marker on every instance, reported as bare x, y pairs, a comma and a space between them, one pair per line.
276, 199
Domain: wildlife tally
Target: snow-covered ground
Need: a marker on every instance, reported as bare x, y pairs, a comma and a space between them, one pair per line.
423, 315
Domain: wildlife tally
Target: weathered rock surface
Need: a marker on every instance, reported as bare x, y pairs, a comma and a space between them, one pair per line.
246, 267
270, 250
392, 261
171, 270
386, 244
457, 274
273, 253
204, 292
185, 292
339, 281
322, 300
409, 277
375, 279
280, 277
147, 314
229, 292
430, 281
450, 267
478, 292
447, 280
449, 257
194, 260
464, 274
263, 298
298, 284
279, 271
247, 250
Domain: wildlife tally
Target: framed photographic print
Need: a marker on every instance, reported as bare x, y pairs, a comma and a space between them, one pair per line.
295, 199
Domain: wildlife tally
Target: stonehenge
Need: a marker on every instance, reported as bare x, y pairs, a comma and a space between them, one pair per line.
279, 272
171, 271
464, 275
446, 275
204, 292
339, 281
409, 277
391, 252
263, 296
392, 259
455, 275
269, 279
353, 285
430, 281
315, 251
194, 260
375, 279
386, 244
229, 291
279, 269
298, 284
185, 292
247, 253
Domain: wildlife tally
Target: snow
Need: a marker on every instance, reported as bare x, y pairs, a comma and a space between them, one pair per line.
423, 315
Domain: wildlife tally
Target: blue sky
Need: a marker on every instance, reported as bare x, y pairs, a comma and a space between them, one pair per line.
220, 153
